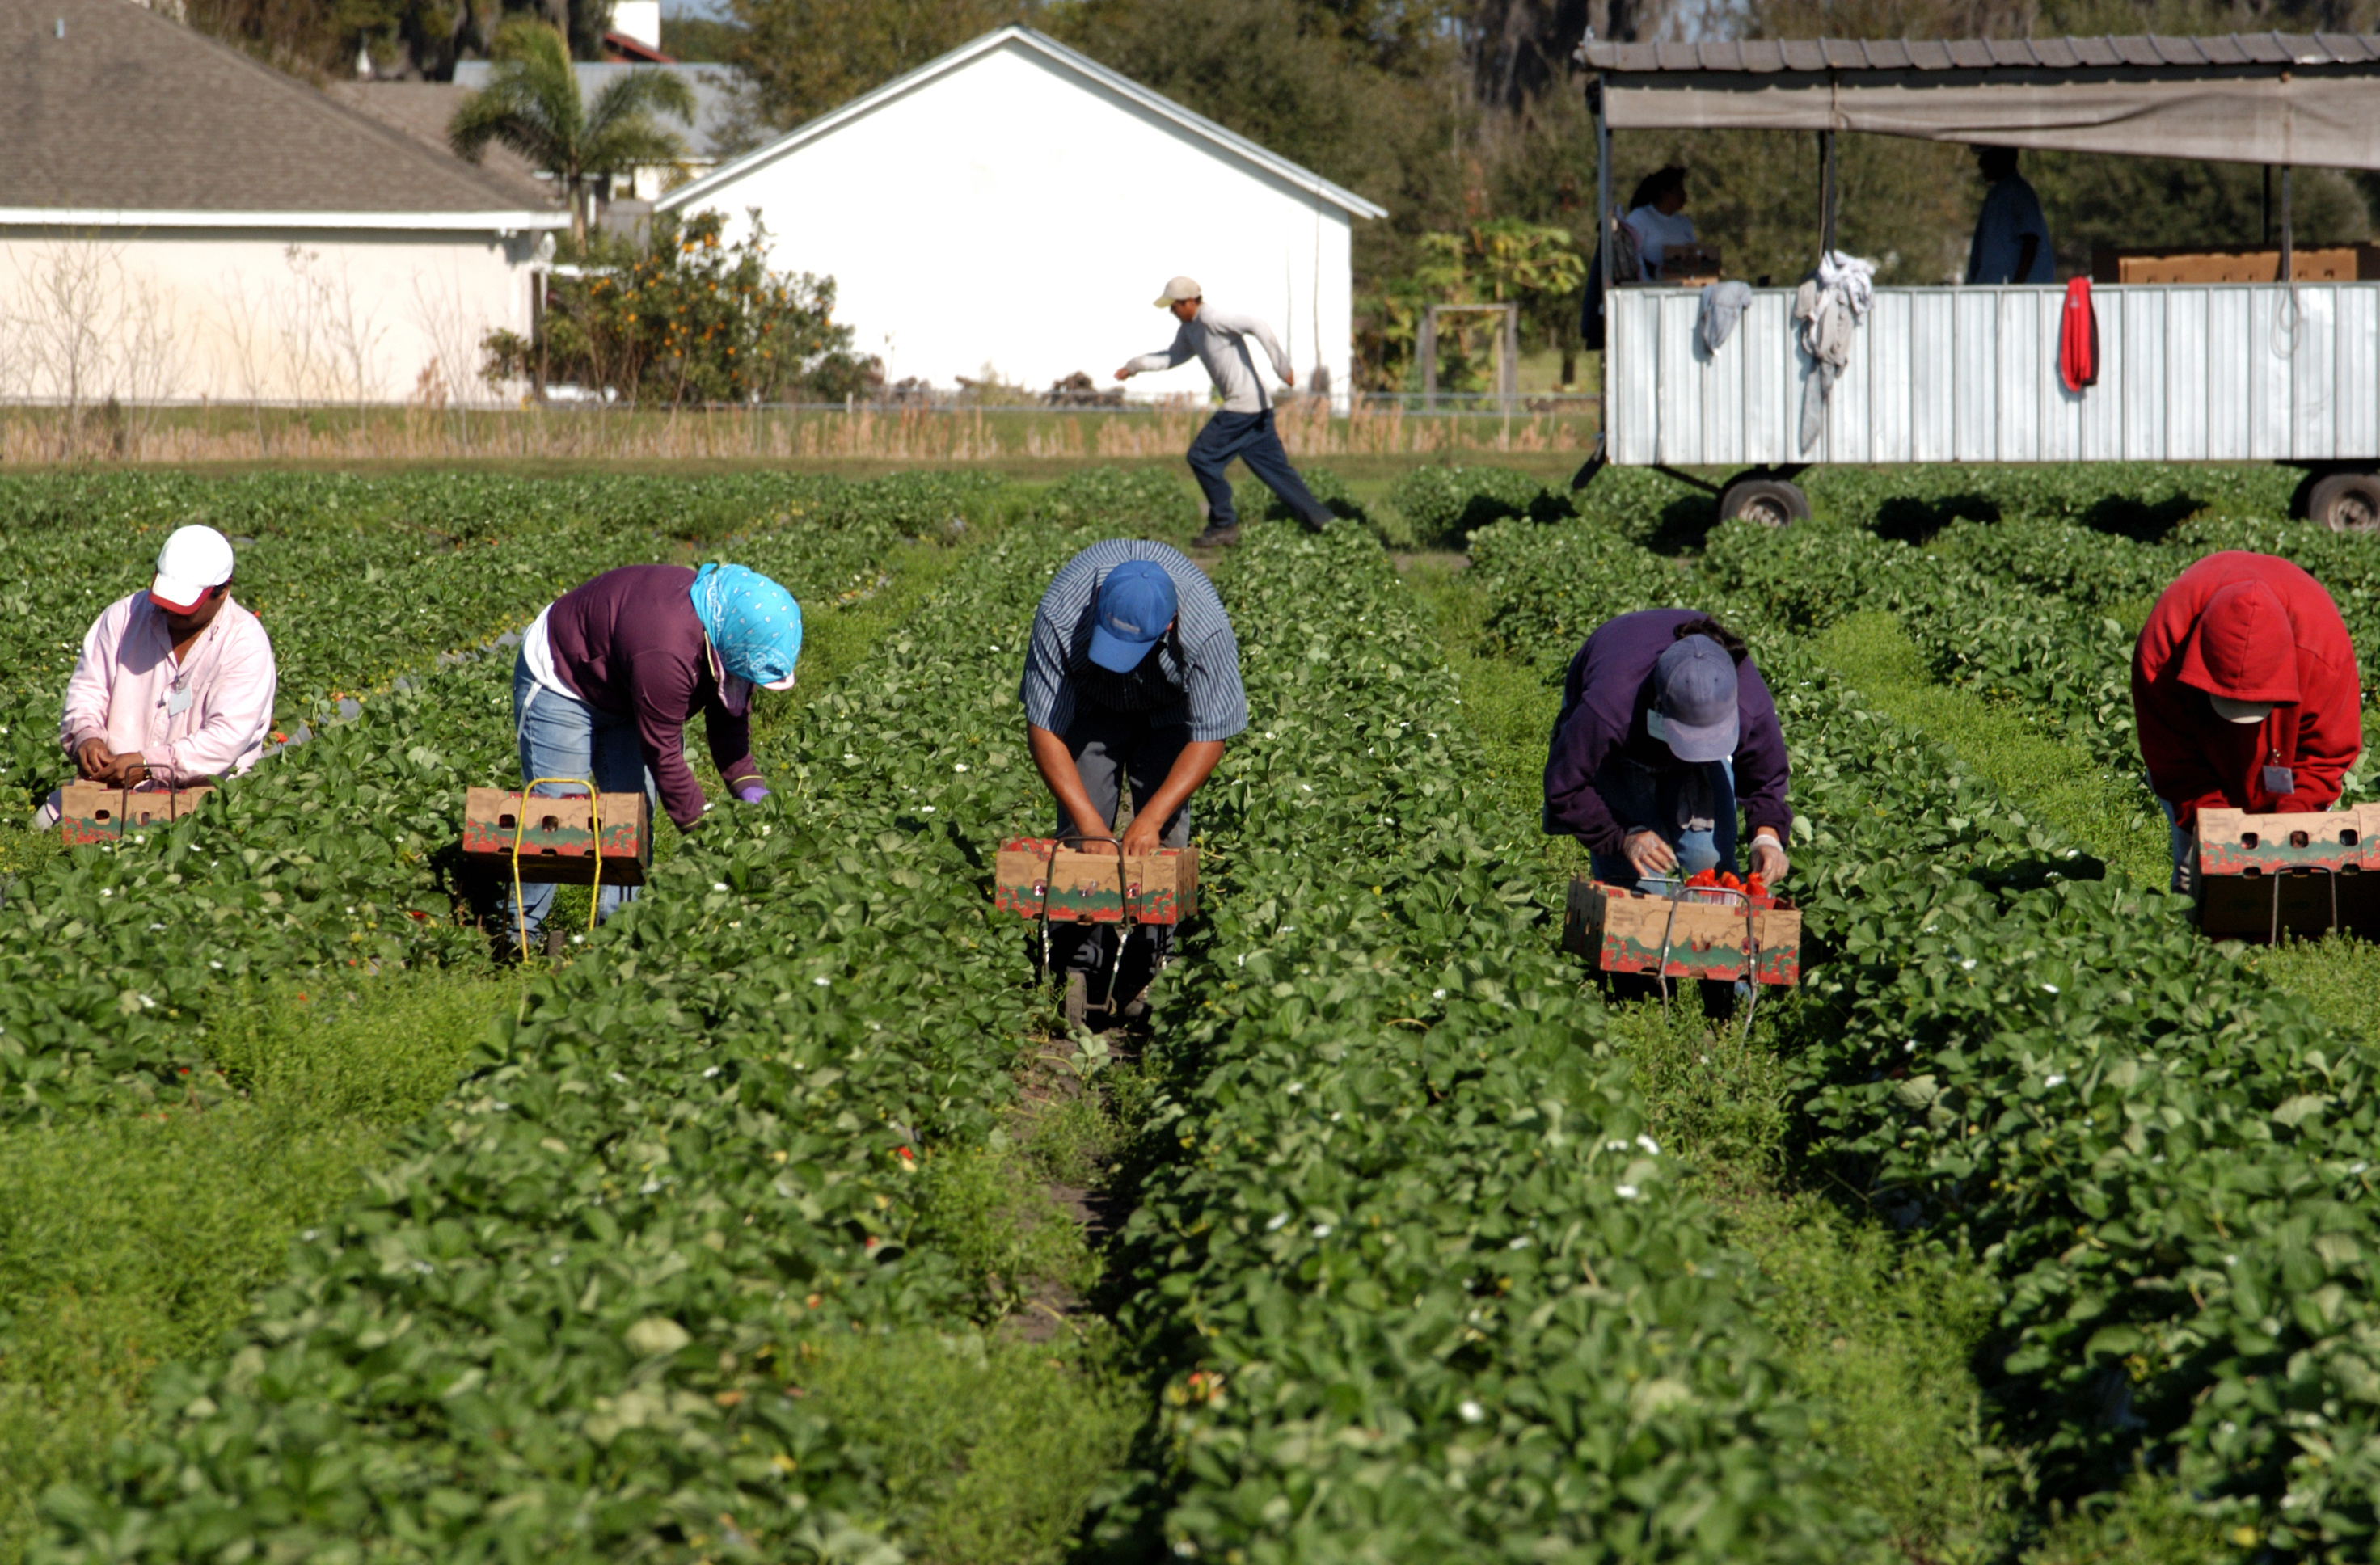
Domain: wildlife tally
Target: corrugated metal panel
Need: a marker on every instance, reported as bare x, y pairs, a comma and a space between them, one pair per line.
2061, 410
2103, 404
2269, 378
2314, 386
2144, 371
2230, 407
1765, 336
2016, 375
1633, 377
1682, 393
1887, 334
2186, 374
1975, 334
2358, 421
2136, 50
1933, 394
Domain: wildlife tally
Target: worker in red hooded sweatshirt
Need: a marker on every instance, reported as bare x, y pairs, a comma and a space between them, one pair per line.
2245, 692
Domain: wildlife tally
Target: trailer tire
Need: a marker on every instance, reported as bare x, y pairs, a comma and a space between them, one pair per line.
2346, 501
1772, 503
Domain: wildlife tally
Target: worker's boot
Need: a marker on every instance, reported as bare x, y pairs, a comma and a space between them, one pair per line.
1078, 998
1216, 538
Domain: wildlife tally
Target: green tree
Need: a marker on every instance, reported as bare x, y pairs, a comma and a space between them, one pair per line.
531, 104
686, 318
805, 57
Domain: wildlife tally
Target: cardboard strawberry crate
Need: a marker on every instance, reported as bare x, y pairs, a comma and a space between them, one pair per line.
557, 837
93, 812
2306, 873
1623, 931
1032, 873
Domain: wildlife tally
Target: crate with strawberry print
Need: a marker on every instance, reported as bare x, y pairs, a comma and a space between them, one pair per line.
2262, 877
556, 838
1698, 933
93, 812
1034, 875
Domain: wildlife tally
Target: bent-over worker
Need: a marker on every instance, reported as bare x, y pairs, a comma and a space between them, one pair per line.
611, 672
1132, 672
1243, 427
1666, 729
174, 685
2245, 693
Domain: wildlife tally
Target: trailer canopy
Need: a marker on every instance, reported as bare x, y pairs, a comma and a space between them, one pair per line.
2252, 98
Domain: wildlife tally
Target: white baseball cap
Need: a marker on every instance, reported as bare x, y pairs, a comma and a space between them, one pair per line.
1177, 290
194, 561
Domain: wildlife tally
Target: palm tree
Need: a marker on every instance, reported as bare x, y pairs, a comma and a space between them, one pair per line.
531, 104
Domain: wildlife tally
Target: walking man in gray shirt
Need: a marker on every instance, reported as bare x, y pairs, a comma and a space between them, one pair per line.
1132, 676
1243, 427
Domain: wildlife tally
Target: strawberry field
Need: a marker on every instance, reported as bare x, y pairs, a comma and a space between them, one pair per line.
2032, 1226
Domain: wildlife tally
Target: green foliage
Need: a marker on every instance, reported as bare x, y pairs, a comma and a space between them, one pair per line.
1442, 507
689, 320
983, 1206
531, 104
805, 57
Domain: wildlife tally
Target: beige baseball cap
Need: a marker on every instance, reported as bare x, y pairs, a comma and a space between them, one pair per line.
1177, 290
2230, 710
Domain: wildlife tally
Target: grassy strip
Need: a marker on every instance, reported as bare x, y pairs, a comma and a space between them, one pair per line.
1877, 1331
2113, 815
128, 1242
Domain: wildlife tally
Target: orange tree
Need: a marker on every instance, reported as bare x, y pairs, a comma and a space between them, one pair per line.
688, 317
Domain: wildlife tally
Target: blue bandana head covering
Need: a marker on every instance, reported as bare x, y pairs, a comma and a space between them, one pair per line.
754, 624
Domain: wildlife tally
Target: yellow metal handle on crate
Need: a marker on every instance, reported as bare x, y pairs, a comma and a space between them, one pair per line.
521, 827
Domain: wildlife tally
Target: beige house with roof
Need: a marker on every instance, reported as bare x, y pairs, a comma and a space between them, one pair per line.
179, 222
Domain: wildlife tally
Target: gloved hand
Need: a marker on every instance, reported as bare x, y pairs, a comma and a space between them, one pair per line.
1768, 859
751, 791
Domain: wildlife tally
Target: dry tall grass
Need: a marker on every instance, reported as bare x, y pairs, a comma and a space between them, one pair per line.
222, 434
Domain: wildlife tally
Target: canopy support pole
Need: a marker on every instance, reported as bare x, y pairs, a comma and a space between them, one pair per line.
2286, 233
1826, 193
1607, 231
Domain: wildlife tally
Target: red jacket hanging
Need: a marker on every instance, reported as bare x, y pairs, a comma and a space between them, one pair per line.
2078, 338
2251, 627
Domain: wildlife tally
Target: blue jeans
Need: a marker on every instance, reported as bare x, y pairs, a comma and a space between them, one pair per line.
561, 736
2185, 851
1693, 810
1249, 437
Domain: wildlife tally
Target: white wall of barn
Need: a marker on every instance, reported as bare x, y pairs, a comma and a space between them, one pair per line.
1012, 218
160, 314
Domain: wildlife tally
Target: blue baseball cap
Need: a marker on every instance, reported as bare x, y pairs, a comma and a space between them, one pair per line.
1694, 700
1136, 603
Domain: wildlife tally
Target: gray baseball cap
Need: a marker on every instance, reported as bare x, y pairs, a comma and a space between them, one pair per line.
1694, 700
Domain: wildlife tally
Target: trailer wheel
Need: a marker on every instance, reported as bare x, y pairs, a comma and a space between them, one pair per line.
1772, 503
2346, 501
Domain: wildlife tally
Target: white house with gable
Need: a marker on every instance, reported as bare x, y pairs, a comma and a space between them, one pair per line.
1010, 210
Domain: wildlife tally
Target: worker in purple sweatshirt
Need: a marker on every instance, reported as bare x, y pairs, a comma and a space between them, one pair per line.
1666, 728
611, 672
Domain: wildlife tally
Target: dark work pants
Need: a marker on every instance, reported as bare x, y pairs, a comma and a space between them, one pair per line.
1111, 750
1249, 437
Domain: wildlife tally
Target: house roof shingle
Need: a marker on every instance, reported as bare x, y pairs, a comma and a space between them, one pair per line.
106, 106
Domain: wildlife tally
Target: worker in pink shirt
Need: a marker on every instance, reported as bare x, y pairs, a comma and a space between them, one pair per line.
174, 685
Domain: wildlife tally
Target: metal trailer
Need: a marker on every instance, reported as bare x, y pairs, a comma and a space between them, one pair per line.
2284, 371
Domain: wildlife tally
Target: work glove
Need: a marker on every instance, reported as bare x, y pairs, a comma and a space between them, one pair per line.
751, 791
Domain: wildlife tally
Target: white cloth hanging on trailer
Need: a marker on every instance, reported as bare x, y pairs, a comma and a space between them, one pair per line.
1829, 304
2259, 98
1722, 305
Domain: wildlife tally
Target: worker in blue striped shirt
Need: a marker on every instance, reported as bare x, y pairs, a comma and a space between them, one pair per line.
1132, 676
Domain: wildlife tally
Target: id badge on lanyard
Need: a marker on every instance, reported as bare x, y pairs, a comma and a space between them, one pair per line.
178, 701
2280, 780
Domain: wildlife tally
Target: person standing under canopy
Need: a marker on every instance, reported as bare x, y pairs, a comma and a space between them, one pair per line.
176, 684
1133, 673
611, 673
1243, 427
2245, 693
1666, 729
2011, 242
